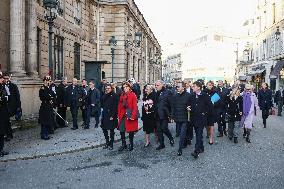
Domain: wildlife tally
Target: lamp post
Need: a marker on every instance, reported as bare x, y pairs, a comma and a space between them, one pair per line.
112, 43
138, 38
51, 7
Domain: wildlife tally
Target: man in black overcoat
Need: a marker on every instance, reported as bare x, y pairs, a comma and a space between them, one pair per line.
200, 107
4, 115
62, 102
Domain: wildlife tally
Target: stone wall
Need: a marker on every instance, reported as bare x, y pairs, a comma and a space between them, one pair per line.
4, 34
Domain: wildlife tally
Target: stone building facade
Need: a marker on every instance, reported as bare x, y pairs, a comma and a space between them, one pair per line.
81, 36
263, 54
172, 68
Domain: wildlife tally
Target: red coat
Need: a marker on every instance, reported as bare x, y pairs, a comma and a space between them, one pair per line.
131, 99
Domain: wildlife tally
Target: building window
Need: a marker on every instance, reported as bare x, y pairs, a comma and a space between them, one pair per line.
77, 12
77, 61
61, 7
38, 52
58, 68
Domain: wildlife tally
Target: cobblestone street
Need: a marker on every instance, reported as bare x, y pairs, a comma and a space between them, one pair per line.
223, 165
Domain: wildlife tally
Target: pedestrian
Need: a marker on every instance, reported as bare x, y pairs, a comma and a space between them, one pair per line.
148, 113
53, 89
75, 96
127, 115
46, 114
249, 103
211, 119
265, 102
234, 105
93, 105
163, 110
85, 89
4, 115
220, 108
279, 98
200, 107
61, 102
180, 114
116, 89
14, 102
109, 115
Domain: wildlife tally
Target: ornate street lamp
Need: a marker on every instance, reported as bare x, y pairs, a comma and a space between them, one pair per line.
277, 33
138, 38
51, 12
112, 44
128, 40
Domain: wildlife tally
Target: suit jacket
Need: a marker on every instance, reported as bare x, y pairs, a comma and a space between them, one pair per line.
163, 108
14, 100
201, 108
4, 114
61, 95
109, 105
265, 99
75, 96
277, 97
94, 97
179, 107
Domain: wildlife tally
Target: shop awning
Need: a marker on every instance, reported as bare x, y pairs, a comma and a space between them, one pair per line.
252, 73
278, 67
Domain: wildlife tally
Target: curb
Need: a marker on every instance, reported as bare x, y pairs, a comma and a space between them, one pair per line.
60, 153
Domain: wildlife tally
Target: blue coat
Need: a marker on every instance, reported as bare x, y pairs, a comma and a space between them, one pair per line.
265, 99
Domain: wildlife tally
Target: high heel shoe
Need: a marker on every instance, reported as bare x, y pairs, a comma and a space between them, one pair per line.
210, 143
147, 145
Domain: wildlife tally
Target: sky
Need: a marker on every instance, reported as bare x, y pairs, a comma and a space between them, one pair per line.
176, 22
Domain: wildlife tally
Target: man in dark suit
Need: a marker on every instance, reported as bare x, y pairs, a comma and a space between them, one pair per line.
61, 102
74, 101
93, 107
180, 113
14, 102
200, 107
83, 108
278, 99
189, 133
221, 108
163, 110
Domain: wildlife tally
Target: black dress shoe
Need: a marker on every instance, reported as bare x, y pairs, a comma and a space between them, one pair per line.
172, 142
121, 148
179, 153
74, 128
7, 139
45, 138
235, 140
160, 147
105, 146
86, 127
3, 153
230, 138
248, 140
225, 133
195, 154
211, 143
110, 147
177, 135
130, 147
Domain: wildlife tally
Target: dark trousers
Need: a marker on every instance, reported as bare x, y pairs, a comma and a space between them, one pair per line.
221, 121
44, 130
178, 128
189, 131
183, 131
265, 114
89, 115
84, 114
280, 106
199, 139
131, 138
9, 130
62, 112
1, 143
74, 112
109, 138
162, 128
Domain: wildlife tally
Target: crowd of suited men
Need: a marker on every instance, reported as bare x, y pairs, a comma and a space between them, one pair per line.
190, 105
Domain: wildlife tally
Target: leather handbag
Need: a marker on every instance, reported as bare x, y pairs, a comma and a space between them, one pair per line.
129, 114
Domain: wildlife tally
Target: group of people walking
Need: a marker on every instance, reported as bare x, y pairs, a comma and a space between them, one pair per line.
192, 106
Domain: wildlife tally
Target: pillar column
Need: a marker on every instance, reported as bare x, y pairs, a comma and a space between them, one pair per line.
17, 37
32, 40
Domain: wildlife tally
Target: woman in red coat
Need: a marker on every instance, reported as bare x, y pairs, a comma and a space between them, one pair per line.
127, 116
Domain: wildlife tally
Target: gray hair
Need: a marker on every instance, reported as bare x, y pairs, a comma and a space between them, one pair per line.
161, 82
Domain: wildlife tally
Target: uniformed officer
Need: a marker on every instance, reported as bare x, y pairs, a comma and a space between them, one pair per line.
200, 107
4, 115
46, 96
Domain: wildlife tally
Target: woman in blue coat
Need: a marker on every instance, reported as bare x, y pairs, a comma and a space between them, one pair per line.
265, 102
